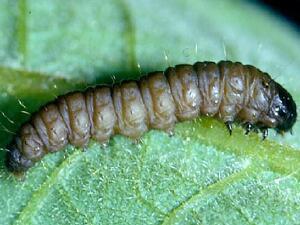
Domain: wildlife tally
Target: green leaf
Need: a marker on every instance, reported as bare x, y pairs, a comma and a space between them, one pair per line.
200, 175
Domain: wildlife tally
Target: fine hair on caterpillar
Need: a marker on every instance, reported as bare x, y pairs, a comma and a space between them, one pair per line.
229, 91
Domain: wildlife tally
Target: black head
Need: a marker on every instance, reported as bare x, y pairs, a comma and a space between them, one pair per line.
15, 162
283, 110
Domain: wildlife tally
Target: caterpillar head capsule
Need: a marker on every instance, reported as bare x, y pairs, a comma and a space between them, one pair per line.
15, 161
284, 110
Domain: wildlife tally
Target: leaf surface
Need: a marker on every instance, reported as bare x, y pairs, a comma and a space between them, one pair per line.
198, 176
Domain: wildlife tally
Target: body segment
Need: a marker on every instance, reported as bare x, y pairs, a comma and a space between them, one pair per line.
158, 101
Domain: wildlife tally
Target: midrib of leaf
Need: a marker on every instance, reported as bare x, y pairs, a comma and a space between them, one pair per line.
212, 189
22, 31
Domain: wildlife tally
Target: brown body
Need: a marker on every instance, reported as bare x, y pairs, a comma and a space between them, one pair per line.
228, 91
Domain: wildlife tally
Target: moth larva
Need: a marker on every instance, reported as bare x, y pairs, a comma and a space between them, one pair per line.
229, 91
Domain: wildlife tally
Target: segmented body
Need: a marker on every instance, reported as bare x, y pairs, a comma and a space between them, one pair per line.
225, 90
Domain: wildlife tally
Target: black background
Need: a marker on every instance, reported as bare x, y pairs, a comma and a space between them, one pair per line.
287, 8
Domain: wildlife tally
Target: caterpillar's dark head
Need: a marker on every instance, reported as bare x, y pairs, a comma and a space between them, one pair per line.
283, 110
14, 161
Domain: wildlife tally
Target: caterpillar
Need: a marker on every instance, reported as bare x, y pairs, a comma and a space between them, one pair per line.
229, 91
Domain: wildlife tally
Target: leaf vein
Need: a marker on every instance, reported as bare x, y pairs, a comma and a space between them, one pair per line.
210, 189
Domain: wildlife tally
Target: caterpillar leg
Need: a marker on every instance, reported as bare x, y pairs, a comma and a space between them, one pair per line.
170, 132
248, 128
264, 133
104, 144
228, 124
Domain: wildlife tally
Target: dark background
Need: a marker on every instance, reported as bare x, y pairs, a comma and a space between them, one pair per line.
286, 8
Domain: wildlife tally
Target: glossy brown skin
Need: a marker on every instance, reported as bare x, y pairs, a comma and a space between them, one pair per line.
226, 90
